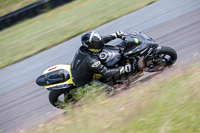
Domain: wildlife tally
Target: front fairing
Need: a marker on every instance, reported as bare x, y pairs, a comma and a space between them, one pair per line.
137, 49
145, 42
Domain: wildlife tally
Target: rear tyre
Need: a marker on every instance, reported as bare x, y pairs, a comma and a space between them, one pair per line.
58, 98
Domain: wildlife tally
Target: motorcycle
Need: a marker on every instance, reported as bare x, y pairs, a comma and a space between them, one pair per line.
137, 54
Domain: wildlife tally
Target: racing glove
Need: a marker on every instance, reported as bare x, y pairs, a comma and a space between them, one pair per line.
121, 70
118, 34
126, 68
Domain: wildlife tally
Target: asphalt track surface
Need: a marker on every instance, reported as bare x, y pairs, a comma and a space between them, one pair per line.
174, 23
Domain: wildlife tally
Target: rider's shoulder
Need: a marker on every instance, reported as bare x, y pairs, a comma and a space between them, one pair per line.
91, 59
83, 50
89, 55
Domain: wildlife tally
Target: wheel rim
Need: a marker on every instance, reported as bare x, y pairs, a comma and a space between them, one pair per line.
62, 100
159, 62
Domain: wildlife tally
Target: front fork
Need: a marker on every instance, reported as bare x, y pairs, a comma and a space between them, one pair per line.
144, 60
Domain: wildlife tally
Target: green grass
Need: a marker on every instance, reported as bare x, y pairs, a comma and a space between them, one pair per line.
7, 6
168, 104
34, 35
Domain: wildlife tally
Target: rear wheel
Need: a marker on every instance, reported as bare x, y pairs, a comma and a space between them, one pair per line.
165, 57
59, 98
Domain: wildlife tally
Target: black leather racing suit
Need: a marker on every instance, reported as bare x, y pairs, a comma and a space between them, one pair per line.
86, 63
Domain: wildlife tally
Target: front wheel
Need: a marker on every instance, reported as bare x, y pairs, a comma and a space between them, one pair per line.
164, 57
59, 98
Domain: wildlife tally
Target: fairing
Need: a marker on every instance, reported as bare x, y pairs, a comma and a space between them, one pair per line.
59, 81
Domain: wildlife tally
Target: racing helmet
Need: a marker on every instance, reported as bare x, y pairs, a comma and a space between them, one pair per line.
93, 41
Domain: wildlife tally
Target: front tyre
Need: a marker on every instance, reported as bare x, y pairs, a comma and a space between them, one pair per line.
168, 54
163, 57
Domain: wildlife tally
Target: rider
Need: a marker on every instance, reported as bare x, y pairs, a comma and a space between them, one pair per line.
86, 61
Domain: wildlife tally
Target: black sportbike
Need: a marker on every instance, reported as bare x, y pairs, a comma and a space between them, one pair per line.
137, 52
